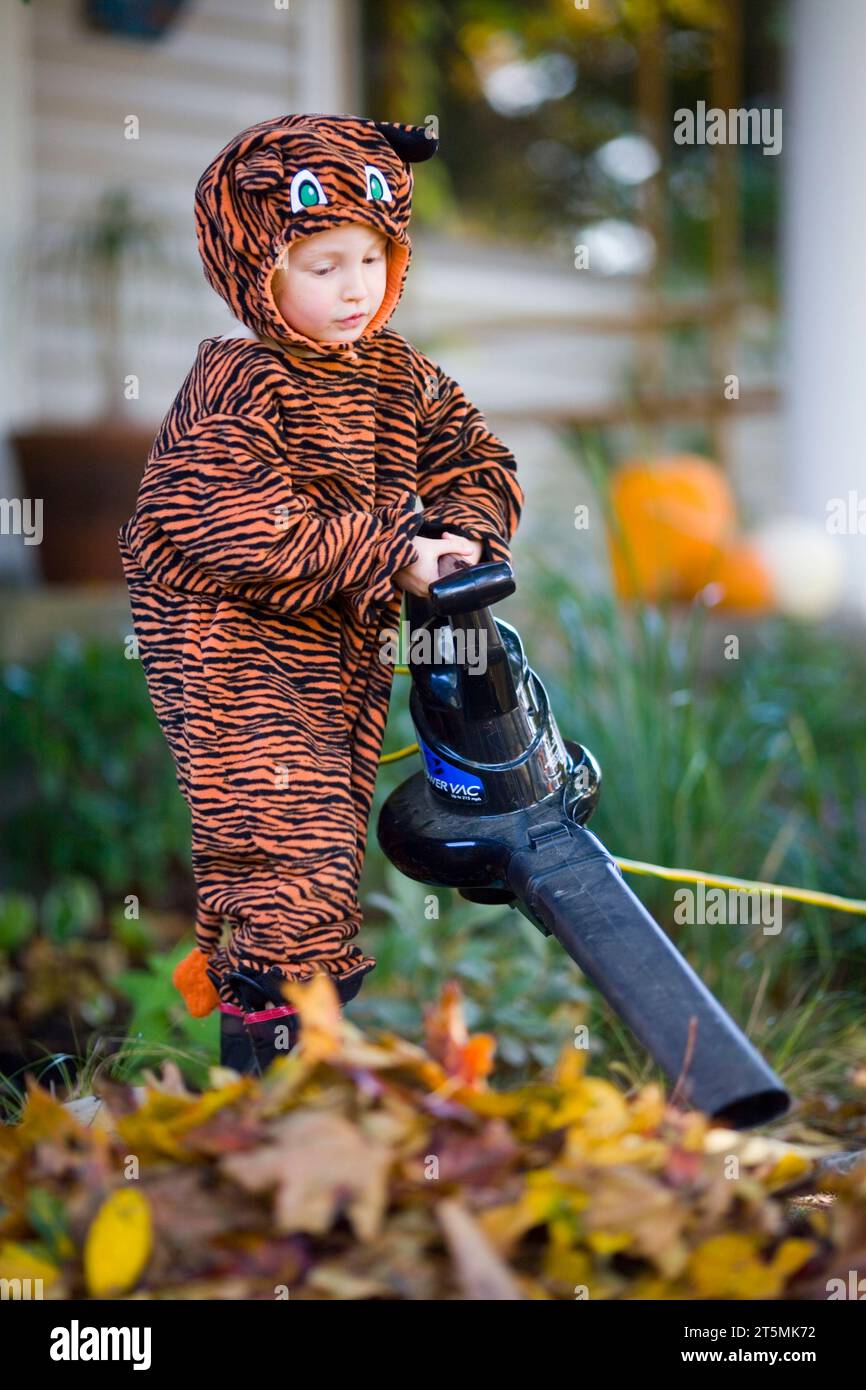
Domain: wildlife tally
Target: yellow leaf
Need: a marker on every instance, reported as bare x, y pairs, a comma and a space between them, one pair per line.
569, 1267
321, 1022
693, 1137
730, 1266
593, 1104
504, 1225
161, 1122
44, 1117
717, 1265
607, 1109
570, 1065
581, 1147
648, 1107
792, 1254
648, 1286
17, 1262
118, 1243
608, 1242
492, 1103
787, 1168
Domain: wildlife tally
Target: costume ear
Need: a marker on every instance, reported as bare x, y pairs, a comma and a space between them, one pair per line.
413, 143
261, 172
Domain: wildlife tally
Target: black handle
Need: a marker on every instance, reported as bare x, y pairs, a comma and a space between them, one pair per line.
467, 590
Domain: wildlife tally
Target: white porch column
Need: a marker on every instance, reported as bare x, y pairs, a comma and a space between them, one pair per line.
329, 73
825, 270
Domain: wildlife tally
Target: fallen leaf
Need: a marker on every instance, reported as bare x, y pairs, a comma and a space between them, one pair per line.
480, 1270
319, 1163
118, 1243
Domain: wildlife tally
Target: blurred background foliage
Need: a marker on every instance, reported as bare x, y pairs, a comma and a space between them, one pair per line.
544, 139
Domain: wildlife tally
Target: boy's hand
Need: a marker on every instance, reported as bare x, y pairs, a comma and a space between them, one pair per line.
472, 554
418, 577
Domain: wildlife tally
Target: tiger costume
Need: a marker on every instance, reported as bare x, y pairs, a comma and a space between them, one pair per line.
276, 504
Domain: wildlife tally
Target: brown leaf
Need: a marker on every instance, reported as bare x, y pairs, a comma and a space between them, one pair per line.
475, 1160
481, 1272
630, 1200
319, 1164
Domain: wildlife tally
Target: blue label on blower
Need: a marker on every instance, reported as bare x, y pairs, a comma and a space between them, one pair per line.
451, 780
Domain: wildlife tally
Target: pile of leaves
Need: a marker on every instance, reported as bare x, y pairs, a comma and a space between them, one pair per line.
377, 1169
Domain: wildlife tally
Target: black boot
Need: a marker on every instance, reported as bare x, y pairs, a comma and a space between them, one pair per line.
236, 1049
272, 1026
236, 1044
266, 1027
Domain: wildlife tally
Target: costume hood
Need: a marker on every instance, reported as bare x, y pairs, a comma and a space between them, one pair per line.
293, 176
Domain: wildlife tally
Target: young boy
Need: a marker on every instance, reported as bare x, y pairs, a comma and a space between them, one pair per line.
274, 531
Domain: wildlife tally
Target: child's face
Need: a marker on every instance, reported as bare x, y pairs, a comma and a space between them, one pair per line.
331, 276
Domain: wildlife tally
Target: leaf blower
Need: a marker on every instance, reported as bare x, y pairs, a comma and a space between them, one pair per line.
499, 812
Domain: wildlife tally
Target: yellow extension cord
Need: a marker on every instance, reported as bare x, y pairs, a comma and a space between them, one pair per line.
637, 866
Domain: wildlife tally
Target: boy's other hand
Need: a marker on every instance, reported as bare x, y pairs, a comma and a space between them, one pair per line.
418, 577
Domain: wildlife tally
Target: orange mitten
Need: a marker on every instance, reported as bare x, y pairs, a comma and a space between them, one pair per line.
198, 991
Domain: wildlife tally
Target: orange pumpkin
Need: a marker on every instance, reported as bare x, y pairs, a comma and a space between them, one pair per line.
673, 519
744, 579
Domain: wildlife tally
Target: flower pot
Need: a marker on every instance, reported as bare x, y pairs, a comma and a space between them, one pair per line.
136, 19
87, 477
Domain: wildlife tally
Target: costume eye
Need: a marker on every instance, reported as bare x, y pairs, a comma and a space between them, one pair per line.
377, 185
306, 191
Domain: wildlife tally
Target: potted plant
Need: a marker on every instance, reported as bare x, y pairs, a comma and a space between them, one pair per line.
87, 474
137, 19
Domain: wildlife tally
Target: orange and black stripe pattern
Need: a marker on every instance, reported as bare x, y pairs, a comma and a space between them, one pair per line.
276, 504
